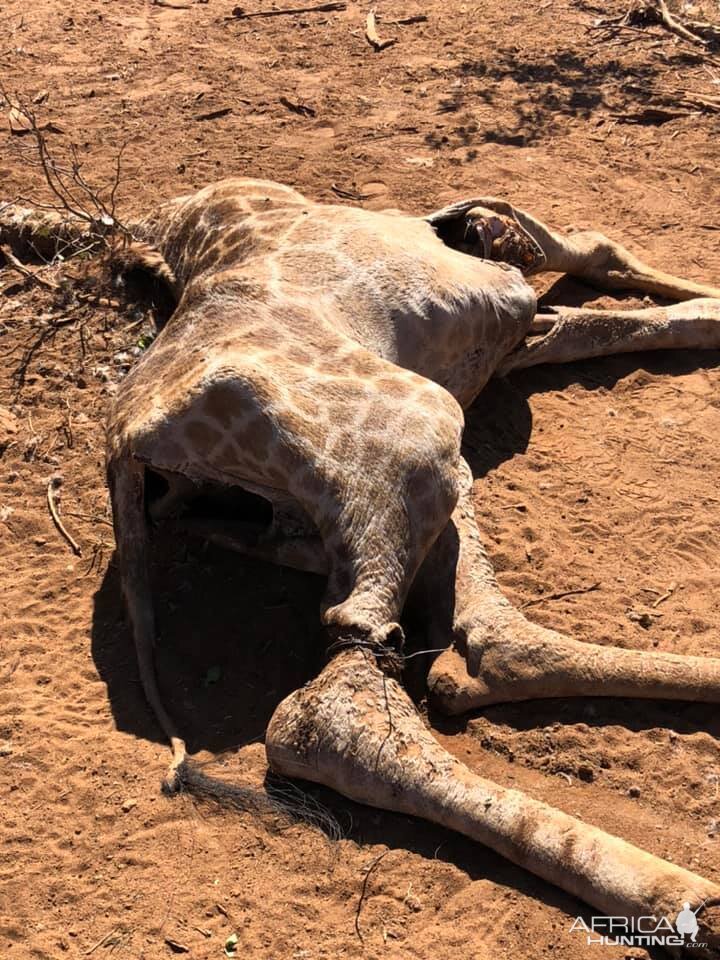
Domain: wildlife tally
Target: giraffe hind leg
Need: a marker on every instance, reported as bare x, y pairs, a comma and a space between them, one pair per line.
591, 256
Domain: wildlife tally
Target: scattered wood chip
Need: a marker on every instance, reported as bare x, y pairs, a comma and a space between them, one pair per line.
363, 893
213, 114
304, 109
9, 426
674, 25
405, 21
240, 13
41, 97
372, 35
19, 122
642, 617
172, 5
102, 941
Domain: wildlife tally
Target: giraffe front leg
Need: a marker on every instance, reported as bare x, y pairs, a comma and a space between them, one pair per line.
500, 656
354, 729
571, 333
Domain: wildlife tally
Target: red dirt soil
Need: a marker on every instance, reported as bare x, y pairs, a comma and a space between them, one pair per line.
601, 472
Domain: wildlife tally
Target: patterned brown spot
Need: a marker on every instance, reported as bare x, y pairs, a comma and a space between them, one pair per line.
307, 406
210, 258
221, 213
374, 452
265, 337
362, 366
260, 432
376, 418
393, 386
202, 436
169, 453
227, 459
342, 448
222, 403
300, 356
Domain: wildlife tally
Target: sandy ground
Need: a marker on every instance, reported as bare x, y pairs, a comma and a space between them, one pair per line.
601, 472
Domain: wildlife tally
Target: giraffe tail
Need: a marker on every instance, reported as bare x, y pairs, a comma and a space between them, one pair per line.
281, 802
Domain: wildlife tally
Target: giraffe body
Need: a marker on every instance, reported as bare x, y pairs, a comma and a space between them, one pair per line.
320, 357
310, 337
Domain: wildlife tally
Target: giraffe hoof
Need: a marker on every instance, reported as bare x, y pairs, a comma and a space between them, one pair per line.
452, 690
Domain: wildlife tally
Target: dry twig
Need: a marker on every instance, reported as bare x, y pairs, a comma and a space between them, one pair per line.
562, 594
239, 13
90, 211
52, 483
657, 11
363, 892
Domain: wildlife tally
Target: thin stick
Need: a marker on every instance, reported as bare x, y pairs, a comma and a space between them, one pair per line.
561, 594
289, 11
56, 518
363, 893
101, 941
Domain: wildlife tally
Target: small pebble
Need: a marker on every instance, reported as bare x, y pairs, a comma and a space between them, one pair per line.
128, 805
634, 792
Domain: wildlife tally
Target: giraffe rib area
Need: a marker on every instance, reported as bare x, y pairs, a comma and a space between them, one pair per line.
395, 287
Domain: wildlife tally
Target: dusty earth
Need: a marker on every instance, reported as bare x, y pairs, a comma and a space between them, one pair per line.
598, 473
